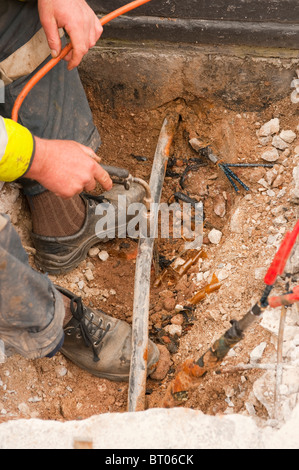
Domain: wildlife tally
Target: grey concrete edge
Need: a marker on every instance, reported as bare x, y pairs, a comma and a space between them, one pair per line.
178, 428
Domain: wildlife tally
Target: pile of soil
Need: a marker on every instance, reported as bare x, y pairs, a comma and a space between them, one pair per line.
56, 389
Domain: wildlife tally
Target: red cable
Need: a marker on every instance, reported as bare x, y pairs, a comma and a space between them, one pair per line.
287, 299
282, 256
44, 70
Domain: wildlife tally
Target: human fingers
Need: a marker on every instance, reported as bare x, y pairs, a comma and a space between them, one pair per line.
95, 32
50, 26
103, 178
90, 186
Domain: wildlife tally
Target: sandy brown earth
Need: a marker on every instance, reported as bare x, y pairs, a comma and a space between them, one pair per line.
57, 389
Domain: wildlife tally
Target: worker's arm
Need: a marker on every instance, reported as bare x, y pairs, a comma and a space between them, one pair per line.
17, 148
62, 166
79, 21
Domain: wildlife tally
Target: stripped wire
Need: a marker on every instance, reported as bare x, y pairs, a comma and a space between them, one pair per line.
207, 151
231, 176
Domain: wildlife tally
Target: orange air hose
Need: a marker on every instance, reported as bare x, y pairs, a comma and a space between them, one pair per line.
44, 70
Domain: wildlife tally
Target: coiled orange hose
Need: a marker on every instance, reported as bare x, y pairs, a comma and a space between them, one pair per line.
44, 70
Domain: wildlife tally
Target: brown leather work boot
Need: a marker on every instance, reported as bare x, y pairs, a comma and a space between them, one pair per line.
59, 255
100, 344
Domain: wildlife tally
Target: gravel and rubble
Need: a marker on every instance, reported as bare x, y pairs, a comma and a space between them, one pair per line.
241, 236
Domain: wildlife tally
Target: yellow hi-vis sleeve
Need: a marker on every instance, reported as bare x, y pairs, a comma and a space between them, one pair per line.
17, 148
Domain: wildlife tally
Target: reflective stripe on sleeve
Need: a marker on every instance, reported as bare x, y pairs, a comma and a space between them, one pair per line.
3, 138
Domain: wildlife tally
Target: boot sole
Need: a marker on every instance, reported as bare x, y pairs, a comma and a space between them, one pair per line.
112, 377
64, 264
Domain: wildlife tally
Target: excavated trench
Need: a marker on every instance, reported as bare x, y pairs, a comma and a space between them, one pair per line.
222, 98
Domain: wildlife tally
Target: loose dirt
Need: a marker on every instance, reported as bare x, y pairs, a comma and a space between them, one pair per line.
55, 388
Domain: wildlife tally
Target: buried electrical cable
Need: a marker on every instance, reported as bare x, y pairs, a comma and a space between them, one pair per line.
191, 371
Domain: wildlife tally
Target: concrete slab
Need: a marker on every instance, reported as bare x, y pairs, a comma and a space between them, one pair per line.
176, 428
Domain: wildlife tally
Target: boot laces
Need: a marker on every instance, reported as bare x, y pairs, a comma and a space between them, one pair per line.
89, 329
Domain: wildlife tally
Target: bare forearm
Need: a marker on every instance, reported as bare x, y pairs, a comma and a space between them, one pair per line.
66, 168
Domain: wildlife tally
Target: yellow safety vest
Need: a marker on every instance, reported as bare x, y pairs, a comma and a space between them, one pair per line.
16, 150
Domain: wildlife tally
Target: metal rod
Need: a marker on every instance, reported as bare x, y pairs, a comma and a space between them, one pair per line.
279, 368
138, 371
249, 165
115, 171
264, 366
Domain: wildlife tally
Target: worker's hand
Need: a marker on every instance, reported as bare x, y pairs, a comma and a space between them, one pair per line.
78, 20
66, 168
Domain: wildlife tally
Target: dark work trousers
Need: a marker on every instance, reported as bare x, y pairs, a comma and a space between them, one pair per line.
31, 310
57, 107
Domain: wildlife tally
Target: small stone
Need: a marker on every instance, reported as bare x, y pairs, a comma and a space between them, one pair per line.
257, 353
109, 401
89, 265
179, 308
103, 255
264, 183
220, 206
60, 371
229, 391
166, 293
286, 153
34, 399
278, 143
270, 128
278, 181
24, 408
93, 252
215, 236
254, 175
250, 409
270, 176
236, 222
169, 304
177, 319
288, 136
223, 274
277, 210
292, 267
270, 155
89, 276
104, 293
264, 141
81, 285
174, 329
199, 277
163, 365
280, 220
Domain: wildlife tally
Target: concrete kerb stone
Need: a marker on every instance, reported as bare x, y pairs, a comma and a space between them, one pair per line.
150, 75
177, 428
